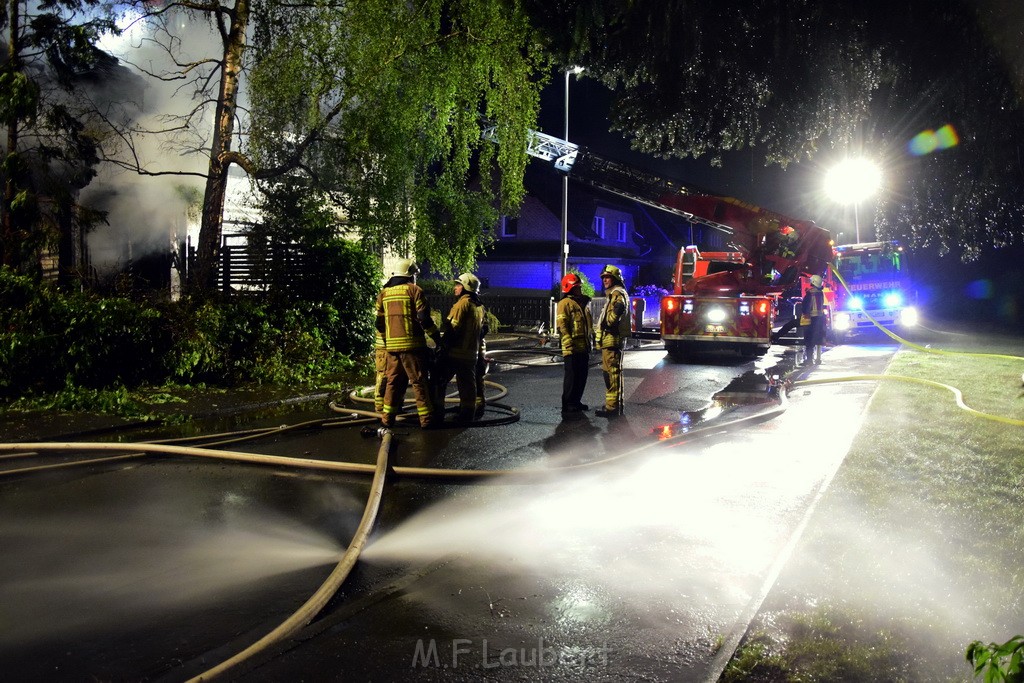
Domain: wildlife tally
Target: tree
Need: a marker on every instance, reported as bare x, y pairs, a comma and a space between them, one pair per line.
49, 150
378, 103
803, 81
394, 97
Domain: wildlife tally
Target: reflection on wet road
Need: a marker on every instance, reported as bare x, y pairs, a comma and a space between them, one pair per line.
635, 568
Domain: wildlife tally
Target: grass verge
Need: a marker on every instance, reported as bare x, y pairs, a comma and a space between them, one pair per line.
917, 549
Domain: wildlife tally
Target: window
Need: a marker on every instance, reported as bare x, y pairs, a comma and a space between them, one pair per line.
509, 226
599, 226
620, 231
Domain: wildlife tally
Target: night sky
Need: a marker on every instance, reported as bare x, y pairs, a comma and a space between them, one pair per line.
988, 292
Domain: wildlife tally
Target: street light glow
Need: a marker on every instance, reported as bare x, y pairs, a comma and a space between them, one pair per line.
853, 180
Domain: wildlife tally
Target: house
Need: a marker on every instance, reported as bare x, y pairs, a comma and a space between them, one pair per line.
602, 228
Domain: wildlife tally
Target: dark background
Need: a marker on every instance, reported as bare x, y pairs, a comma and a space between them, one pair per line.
987, 292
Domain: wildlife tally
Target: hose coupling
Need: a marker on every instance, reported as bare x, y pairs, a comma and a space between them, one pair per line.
371, 432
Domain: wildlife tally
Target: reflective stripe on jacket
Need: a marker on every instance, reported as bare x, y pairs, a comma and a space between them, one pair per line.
460, 331
614, 326
574, 324
814, 303
403, 316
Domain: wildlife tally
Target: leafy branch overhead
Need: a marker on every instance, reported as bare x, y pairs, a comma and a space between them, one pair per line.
810, 82
381, 103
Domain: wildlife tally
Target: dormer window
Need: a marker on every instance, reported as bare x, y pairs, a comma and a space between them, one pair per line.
599, 226
620, 231
509, 226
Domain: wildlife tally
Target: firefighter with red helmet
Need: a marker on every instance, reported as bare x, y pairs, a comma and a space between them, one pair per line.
403, 320
460, 346
613, 329
576, 331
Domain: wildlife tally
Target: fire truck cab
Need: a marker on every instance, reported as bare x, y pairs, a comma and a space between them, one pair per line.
731, 300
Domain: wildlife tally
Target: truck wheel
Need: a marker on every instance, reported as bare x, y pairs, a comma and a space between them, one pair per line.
676, 349
753, 350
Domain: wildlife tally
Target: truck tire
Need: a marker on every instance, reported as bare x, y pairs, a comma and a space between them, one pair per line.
676, 349
753, 350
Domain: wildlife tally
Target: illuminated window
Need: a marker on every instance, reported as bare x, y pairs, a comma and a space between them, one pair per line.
509, 226
620, 231
599, 226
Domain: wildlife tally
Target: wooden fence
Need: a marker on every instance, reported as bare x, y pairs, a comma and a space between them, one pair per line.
241, 270
510, 310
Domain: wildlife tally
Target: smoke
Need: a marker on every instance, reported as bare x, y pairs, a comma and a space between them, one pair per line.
148, 214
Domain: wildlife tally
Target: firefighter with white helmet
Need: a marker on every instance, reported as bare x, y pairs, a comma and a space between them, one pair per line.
613, 329
813, 320
576, 331
460, 346
403, 321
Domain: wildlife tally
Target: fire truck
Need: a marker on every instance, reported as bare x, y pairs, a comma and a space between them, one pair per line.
731, 299
725, 299
880, 288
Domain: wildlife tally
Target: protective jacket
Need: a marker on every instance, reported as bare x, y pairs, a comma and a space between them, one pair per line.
461, 330
575, 325
614, 328
403, 316
814, 302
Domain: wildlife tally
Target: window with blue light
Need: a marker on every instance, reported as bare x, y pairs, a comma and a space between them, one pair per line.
620, 231
599, 226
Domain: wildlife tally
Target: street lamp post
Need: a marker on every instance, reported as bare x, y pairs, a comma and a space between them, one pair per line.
852, 181
565, 177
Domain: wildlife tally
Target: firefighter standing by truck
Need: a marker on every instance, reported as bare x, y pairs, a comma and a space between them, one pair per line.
813, 311
403, 319
613, 330
576, 332
460, 345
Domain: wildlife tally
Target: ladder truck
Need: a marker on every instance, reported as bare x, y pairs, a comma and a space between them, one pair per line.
721, 300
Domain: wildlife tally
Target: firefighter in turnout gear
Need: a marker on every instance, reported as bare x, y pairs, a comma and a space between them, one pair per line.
813, 309
460, 346
613, 329
403, 320
576, 332
380, 363
481, 365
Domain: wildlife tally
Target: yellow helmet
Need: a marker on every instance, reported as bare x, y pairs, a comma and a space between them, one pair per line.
816, 281
469, 281
614, 273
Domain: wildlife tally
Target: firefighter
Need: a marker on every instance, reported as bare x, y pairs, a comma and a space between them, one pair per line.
403, 320
613, 329
380, 360
481, 365
576, 331
813, 309
460, 347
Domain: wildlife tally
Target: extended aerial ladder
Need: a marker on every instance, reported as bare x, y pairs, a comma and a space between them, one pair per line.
614, 177
721, 299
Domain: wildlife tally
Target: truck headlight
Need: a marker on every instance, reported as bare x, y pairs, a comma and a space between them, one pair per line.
908, 317
716, 314
841, 322
892, 300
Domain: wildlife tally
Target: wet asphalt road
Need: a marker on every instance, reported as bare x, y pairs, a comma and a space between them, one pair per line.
636, 569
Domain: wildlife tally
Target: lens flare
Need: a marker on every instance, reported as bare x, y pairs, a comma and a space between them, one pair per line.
929, 141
